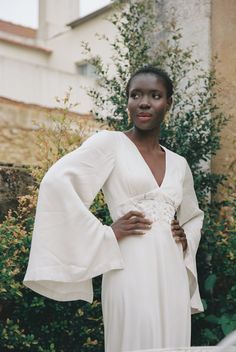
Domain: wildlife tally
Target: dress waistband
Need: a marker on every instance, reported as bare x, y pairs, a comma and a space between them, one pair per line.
154, 204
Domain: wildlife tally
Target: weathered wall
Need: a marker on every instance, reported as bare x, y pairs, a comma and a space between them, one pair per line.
193, 17
18, 124
224, 46
18, 121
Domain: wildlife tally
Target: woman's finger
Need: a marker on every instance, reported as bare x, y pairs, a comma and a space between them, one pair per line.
132, 213
132, 223
181, 240
134, 233
136, 219
174, 222
179, 233
176, 227
137, 226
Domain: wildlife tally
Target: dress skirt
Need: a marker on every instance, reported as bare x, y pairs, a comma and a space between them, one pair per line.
147, 304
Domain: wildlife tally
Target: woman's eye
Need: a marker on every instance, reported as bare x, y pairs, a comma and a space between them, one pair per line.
135, 95
156, 96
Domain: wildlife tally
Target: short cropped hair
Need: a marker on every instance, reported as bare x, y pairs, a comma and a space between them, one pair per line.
160, 73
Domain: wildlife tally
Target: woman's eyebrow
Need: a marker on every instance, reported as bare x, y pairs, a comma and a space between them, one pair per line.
135, 90
141, 89
156, 90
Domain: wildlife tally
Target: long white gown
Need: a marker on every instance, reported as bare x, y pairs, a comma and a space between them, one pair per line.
149, 285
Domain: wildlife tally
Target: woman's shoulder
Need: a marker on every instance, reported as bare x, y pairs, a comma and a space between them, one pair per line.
102, 135
175, 156
180, 162
102, 139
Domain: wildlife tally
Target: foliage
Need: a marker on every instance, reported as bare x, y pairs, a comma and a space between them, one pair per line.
57, 136
217, 262
30, 322
192, 129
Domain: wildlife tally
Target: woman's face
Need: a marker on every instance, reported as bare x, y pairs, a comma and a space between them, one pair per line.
147, 101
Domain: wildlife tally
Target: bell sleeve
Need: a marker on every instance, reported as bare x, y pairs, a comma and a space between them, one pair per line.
70, 245
191, 218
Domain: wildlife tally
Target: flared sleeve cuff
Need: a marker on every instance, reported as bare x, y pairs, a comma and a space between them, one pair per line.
63, 282
190, 263
191, 219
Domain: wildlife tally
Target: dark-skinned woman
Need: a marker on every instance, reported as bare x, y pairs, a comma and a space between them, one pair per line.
147, 256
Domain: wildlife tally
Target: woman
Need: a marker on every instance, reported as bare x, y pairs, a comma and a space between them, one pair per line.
147, 256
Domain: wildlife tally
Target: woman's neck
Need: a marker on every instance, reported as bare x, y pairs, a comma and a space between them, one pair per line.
147, 140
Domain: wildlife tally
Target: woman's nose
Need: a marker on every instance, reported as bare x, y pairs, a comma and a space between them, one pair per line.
144, 103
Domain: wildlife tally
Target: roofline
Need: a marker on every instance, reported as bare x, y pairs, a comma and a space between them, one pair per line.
32, 32
25, 45
91, 15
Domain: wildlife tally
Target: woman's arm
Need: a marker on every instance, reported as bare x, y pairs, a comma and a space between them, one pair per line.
69, 244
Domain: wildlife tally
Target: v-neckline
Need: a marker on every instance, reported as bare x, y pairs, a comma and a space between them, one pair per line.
146, 164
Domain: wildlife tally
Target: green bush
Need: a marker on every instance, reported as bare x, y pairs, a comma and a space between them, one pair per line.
216, 267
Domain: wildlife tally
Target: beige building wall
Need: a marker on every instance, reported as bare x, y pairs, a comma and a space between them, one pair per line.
37, 69
224, 47
54, 16
194, 19
68, 52
19, 123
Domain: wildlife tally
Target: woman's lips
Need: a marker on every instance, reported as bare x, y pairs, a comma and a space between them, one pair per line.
144, 117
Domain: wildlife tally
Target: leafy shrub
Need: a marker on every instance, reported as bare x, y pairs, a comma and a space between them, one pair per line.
216, 266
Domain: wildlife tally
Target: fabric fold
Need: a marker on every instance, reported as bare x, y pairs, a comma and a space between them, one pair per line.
191, 218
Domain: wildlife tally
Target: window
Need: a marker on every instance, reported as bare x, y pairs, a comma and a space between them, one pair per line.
85, 69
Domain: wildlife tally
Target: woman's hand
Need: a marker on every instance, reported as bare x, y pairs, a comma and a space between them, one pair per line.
132, 223
178, 234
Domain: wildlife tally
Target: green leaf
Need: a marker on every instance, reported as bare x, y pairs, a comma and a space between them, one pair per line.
228, 326
213, 319
210, 282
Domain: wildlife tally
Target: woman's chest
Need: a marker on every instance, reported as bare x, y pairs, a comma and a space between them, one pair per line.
133, 176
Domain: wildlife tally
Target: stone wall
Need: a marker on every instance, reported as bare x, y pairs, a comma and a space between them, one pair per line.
224, 48
19, 123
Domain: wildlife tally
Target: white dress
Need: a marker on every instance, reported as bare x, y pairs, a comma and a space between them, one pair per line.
149, 285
